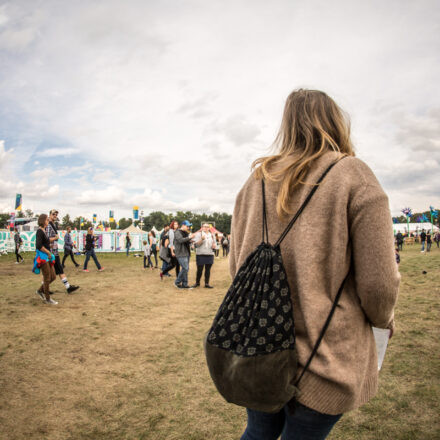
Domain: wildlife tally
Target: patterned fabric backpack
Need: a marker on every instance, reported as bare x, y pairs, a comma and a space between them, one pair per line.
250, 348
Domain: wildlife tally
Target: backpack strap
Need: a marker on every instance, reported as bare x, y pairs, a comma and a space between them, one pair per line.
324, 328
305, 203
265, 230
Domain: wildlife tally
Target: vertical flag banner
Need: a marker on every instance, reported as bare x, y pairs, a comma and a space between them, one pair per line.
408, 214
135, 212
18, 202
81, 222
12, 221
111, 216
94, 218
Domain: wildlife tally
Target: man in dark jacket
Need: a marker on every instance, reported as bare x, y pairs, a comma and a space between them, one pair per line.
423, 239
52, 233
68, 247
182, 239
18, 242
399, 240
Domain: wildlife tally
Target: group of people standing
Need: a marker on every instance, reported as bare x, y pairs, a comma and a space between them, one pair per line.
175, 251
425, 238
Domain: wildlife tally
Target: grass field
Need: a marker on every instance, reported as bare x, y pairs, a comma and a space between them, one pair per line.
123, 358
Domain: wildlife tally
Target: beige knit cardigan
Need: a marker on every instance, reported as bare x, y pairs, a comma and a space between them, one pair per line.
346, 227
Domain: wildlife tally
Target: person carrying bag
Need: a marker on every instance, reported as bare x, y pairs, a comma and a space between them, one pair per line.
292, 341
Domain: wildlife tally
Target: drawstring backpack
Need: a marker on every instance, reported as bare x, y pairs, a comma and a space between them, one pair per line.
250, 348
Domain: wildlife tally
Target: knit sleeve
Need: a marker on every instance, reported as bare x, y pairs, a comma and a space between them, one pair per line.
235, 233
376, 272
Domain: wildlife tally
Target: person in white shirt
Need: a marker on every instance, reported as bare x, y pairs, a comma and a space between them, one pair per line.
205, 245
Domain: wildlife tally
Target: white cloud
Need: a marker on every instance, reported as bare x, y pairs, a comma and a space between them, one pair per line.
174, 103
104, 176
53, 152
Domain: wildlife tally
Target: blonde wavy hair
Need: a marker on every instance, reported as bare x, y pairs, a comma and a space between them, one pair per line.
312, 125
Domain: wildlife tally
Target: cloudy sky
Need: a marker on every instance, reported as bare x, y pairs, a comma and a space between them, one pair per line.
164, 104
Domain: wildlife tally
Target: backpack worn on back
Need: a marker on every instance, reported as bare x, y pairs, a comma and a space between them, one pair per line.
250, 348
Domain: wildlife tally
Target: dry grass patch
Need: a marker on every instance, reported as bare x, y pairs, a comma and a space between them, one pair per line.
123, 358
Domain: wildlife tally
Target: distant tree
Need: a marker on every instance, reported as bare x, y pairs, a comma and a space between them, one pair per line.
4, 220
157, 219
29, 213
125, 223
66, 221
20, 214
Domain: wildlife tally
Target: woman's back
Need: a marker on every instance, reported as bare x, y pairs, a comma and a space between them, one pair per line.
346, 226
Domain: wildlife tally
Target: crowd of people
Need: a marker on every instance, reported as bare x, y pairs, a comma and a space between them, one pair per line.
425, 238
175, 251
173, 247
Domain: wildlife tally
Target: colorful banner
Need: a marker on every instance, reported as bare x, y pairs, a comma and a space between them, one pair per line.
135, 212
94, 218
111, 216
81, 222
18, 202
12, 221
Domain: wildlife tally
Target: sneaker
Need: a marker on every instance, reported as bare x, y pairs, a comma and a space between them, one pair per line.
194, 286
51, 301
207, 286
86, 270
185, 287
178, 286
100, 270
72, 289
17, 262
40, 294
76, 265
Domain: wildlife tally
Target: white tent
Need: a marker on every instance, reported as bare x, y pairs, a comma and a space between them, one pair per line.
414, 227
133, 230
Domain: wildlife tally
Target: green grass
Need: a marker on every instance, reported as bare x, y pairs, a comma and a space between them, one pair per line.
123, 358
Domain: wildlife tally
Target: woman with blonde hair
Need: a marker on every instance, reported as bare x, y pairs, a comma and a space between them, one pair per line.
352, 234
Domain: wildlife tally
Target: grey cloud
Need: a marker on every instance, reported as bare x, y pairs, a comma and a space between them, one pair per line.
236, 129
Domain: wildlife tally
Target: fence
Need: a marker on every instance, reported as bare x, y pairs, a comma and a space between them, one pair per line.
111, 241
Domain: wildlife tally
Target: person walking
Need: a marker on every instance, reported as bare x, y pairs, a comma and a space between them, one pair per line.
153, 246
399, 240
428, 241
217, 245
174, 225
164, 252
90, 250
44, 260
17, 243
182, 239
147, 254
423, 240
68, 248
127, 243
205, 247
354, 237
437, 238
52, 233
225, 244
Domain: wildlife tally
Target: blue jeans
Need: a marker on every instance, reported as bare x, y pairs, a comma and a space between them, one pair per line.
304, 424
182, 278
127, 249
93, 255
423, 246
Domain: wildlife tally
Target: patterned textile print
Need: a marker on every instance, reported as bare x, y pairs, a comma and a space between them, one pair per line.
51, 232
256, 315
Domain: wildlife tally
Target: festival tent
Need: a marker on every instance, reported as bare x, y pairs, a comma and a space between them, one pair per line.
133, 230
414, 227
